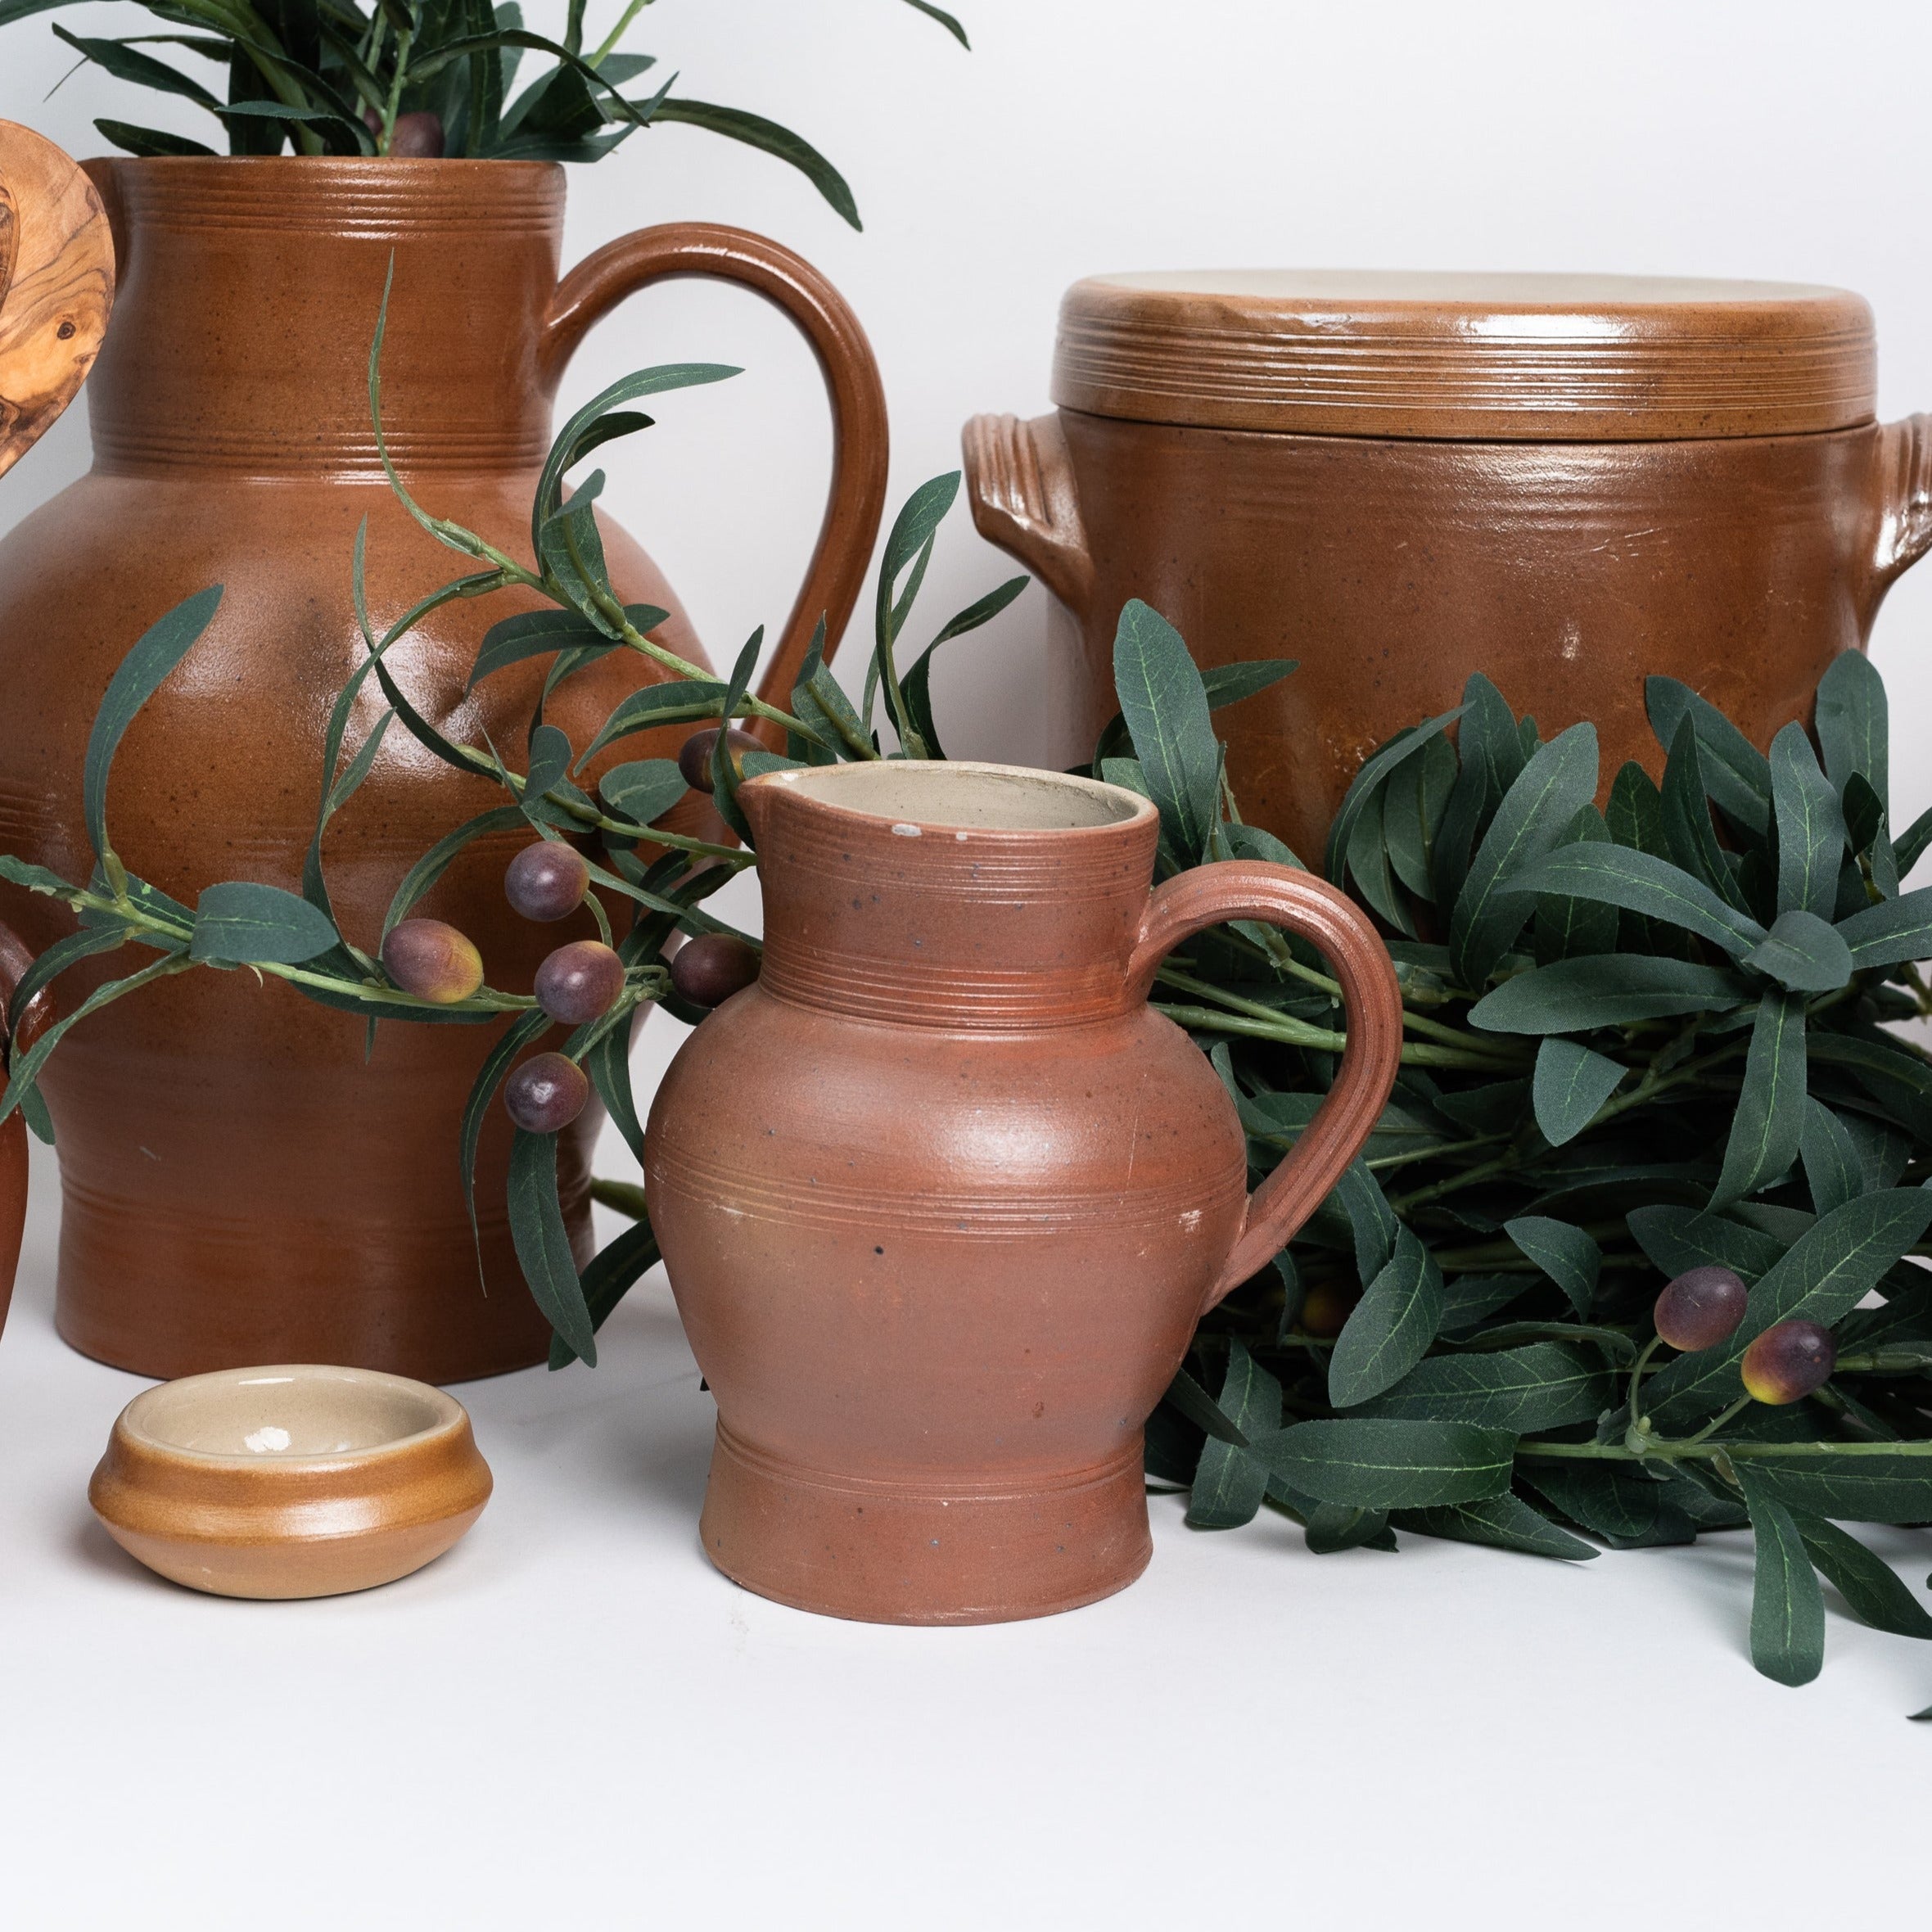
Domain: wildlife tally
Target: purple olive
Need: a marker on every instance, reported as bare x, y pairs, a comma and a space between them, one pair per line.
417, 137
546, 1092
709, 969
580, 982
1701, 1308
1789, 1361
694, 761
547, 881
433, 961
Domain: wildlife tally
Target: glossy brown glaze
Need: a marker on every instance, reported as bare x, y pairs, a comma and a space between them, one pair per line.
290, 1481
57, 285
1566, 484
239, 1186
941, 1198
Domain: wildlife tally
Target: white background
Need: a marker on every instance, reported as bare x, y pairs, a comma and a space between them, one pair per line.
571, 1714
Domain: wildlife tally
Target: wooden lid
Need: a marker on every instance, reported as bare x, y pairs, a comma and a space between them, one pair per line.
1497, 357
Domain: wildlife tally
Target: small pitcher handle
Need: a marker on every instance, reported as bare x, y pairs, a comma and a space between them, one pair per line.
857, 498
1301, 903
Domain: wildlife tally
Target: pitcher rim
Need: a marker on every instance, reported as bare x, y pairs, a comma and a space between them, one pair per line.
806, 783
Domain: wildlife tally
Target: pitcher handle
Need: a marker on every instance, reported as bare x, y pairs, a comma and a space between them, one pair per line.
1301, 903
857, 498
1020, 482
57, 285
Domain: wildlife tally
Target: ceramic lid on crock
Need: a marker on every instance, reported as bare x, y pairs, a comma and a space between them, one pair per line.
1384, 353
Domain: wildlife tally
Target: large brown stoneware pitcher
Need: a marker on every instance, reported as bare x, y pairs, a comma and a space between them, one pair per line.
239, 1186
1567, 482
941, 1197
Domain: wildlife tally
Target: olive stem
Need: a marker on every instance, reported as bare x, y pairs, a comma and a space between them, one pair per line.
1637, 1376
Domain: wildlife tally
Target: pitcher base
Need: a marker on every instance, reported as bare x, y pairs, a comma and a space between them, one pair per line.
889, 1553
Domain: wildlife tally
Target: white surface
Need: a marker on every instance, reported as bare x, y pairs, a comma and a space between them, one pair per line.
571, 1720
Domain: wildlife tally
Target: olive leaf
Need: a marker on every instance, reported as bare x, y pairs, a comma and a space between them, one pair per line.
1165, 708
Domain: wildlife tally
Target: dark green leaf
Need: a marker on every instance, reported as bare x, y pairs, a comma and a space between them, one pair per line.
1639, 883
1787, 1607
725, 773
1230, 1483
1897, 1080
250, 923
1389, 1330
1770, 1116
1522, 1390
127, 63
608, 1064
64, 952
1737, 772
613, 1271
1811, 826
1368, 782
435, 862
1575, 995
146, 142
535, 633
644, 790
542, 1242
1359, 1196
1892, 932
944, 18
1386, 1465
1854, 1482
1688, 833
754, 131
340, 136
1878, 1596
528, 1028
140, 674
1803, 954
1503, 1522
1570, 1087
1831, 1163
1572, 928
1852, 723
26, 1066
1566, 1254
683, 701
1332, 1528
1166, 709
1626, 1510
1413, 804
1677, 1238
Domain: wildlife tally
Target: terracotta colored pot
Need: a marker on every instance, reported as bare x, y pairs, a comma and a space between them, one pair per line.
1566, 482
941, 1198
298, 1481
239, 1186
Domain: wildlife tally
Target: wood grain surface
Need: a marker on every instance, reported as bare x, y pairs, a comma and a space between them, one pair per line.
56, 286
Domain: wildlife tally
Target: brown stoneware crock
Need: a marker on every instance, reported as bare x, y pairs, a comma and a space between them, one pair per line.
1567, 482
941, 1197
239, 1186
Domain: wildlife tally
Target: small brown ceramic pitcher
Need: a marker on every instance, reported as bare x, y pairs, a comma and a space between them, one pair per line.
941, 1197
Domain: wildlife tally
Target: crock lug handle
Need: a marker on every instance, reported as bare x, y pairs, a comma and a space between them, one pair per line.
1020, 482
1903, 480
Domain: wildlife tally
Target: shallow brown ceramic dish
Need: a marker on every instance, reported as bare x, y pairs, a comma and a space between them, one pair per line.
1567, 481
298, 1481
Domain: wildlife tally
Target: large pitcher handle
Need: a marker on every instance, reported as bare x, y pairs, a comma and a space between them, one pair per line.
857, 498
1299, 903
57, 285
